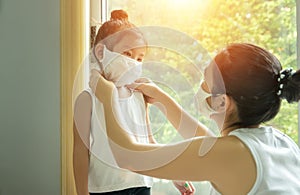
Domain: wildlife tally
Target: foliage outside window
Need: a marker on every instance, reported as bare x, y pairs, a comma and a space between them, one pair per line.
216, 23
270, 24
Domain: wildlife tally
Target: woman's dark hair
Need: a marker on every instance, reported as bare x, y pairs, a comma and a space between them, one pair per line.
118, 25
253, 77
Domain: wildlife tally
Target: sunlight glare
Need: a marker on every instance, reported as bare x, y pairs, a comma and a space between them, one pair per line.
183, 4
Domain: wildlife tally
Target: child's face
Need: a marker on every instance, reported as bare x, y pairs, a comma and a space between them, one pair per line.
137, 54
131, 47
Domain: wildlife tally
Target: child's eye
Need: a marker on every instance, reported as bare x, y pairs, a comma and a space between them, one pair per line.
139, 59
127, 53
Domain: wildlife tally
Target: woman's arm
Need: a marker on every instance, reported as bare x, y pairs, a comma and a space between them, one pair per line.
167, 161
81, 130
227, 162
183, 122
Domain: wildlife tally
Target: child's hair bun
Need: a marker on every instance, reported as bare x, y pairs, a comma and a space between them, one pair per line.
119, 15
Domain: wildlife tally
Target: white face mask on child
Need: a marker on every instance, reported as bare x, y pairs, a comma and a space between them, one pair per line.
203, 107
120, 69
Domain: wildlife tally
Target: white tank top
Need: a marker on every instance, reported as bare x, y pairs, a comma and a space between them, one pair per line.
104, 174
277, 159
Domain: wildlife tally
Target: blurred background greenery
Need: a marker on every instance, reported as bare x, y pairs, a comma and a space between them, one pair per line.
270, 24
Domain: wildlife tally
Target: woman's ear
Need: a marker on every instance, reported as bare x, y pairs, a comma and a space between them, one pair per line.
98, 50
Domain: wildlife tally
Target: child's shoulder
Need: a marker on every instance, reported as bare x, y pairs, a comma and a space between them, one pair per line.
84, 96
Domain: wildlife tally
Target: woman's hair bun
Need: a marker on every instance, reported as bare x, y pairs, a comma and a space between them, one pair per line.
119, 15
291, 86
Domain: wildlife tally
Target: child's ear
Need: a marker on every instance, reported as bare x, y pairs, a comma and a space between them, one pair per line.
99, 51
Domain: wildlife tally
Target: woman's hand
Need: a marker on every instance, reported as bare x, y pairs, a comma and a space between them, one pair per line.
103, 89
185, 188
152, 93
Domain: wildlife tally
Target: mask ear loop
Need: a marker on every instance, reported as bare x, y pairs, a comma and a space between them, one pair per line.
99, 61
219, 100
208, 142
103, 56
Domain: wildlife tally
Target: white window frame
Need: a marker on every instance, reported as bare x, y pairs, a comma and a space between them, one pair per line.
298, 57
104, 10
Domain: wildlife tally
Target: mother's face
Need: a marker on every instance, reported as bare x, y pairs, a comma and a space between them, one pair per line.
214, 82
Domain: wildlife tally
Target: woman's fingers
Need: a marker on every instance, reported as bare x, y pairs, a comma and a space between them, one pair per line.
185, 188
134, 86
191, 188
151, 92
94, 77
143, 80
139, 83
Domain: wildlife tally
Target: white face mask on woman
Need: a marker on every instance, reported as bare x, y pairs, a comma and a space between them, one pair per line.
203, 107
120, 69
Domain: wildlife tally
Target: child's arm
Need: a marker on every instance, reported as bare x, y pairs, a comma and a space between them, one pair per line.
182, 186
81, 130
150, 133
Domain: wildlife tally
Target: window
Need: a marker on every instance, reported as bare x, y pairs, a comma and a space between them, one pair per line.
215, 23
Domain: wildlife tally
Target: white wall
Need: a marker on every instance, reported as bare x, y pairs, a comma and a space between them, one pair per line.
29, 97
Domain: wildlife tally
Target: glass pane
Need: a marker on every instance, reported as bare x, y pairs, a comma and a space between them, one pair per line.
214, 24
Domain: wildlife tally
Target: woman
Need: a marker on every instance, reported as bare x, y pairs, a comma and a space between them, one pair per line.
248, 158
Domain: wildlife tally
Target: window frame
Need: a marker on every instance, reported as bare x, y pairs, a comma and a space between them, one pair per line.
298, 57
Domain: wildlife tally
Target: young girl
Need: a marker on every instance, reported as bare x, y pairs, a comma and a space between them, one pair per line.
119, 50
248, 158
